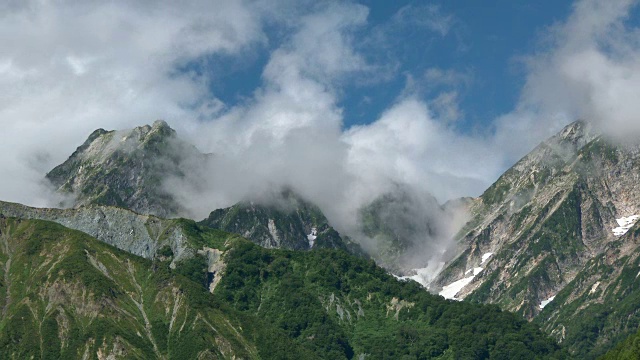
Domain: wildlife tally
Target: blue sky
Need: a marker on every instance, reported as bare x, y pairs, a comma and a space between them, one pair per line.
482, 41
340, 100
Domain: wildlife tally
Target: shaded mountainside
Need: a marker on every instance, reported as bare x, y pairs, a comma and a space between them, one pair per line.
391, 221
339, 306
542, 227
408, 231
126, 168
64, 294
288, 222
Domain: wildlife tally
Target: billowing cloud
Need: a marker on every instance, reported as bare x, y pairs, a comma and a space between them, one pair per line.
588, 68
67, 68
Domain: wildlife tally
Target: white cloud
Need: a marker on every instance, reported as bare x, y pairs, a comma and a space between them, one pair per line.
408, 145
436, 77
69, 67
590, 69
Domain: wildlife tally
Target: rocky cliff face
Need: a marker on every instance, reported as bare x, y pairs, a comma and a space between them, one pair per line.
142, 235
542, 224
126, 169
287, 222
599, 307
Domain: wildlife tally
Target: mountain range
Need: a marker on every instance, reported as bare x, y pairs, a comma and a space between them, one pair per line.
546, 266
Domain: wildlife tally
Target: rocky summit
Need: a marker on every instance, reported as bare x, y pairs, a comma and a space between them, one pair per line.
287, 222
127, 168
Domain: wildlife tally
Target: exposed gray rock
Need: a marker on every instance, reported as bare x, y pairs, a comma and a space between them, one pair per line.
545, 219
126, 168
140, 235
287, 222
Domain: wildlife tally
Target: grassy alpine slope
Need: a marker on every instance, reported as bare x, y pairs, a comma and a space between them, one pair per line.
64, 294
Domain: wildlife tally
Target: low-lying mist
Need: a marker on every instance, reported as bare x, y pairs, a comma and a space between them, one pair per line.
341, 172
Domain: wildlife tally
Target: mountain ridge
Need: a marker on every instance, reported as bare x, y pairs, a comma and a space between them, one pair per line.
540, 241
68, 295
539, 226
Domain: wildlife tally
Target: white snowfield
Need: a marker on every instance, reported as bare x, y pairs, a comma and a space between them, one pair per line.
546, 302
450, 291
625, 223
312, 237
475, 271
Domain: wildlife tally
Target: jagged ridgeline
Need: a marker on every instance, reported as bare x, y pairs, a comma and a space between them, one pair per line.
64, 294
549, 241
126, 168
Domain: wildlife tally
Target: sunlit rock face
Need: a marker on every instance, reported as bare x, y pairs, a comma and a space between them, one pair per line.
553, 224
126, 168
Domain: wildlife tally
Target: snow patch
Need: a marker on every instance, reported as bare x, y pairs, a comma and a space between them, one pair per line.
624, 224
546, 302
486, 257
450, 291
594, 288
312, 237
273, 230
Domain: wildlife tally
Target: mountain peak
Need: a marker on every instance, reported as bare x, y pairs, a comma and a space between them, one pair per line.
126, 168
282, 219
146, 135
160, 124
554, 239
578, 133
161, 128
